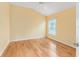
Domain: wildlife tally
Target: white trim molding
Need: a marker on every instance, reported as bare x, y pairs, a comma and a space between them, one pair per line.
28, 37
4, 49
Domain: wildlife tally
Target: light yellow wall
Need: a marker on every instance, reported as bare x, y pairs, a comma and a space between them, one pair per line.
4, 26
26, 23
65, 27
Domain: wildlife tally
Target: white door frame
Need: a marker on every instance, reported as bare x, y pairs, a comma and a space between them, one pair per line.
77, 29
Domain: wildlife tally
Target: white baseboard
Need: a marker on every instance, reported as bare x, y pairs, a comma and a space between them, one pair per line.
28, 37
4, 48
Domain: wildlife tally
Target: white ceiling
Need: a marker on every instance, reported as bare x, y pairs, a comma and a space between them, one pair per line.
46, 8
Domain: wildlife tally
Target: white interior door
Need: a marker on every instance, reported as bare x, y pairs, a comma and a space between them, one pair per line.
77, 28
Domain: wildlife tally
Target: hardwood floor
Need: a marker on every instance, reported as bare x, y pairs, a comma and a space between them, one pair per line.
38, 48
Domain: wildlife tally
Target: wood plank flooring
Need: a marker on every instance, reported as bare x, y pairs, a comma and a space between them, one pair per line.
38, 48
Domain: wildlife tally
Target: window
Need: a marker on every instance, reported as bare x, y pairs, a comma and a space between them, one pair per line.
52, 27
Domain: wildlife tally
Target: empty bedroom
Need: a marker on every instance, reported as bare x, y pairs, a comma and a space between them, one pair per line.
38, 29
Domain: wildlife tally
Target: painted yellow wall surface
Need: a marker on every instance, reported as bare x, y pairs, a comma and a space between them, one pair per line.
26, 23
4, 26
17, 23
65, 26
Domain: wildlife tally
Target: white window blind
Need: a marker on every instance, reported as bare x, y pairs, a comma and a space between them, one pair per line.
52, 27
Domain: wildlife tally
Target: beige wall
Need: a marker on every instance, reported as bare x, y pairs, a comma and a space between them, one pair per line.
65, 27
26, 23
4, 26
17, 23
